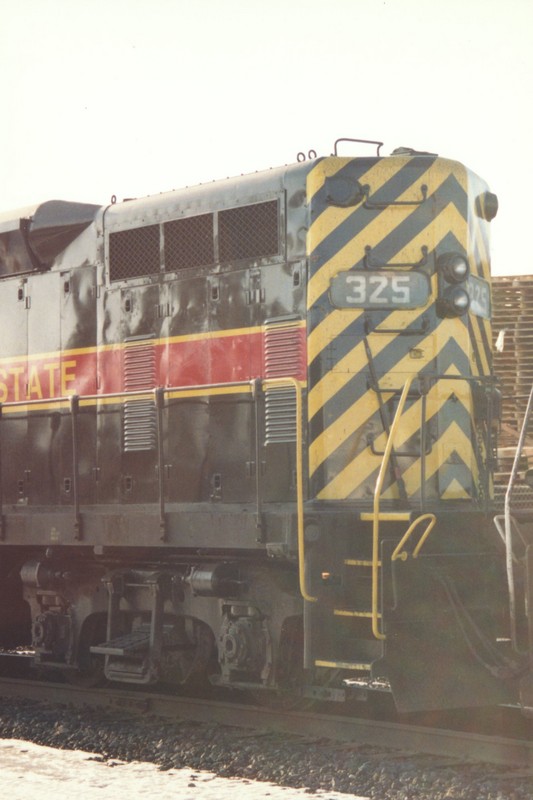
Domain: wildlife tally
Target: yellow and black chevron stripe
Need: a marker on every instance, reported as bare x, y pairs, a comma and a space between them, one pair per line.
414, 208
477, 247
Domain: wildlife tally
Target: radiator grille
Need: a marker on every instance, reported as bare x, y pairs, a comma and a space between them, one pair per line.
189, 242
140, 420
282, 355
134, 253
248, 231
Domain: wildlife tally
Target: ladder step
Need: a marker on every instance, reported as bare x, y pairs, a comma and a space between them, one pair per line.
347, 612
343, 665
125, 645
387, 516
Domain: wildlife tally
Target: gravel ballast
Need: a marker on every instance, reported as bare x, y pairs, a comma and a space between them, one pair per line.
288, 760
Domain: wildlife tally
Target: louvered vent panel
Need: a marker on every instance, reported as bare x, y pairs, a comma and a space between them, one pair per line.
140, 421
283, 354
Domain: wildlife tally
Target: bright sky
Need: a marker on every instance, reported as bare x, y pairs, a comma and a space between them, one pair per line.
134, 97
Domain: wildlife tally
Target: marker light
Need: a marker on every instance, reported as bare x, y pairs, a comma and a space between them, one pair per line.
487, 206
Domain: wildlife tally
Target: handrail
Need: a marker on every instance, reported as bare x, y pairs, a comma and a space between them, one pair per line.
403, 554
158, 395
274, 383
137, 394
159, 399
508, 524
377, 494
2, 515
74, 408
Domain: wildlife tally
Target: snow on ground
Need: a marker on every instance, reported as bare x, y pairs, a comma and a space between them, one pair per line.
31, 770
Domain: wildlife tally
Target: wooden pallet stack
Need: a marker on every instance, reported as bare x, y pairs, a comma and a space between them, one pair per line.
512, 330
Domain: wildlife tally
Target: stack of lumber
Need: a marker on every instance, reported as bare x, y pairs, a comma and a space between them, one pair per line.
512, 332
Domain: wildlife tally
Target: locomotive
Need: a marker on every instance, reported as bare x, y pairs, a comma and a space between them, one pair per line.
247, 436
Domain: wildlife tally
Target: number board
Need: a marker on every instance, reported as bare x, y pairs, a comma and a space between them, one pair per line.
379, 289
479, 294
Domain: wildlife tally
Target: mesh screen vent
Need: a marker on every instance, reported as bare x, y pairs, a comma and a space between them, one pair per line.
245, 232
134, 253
282, 355
249, 231
189, 242
140, 416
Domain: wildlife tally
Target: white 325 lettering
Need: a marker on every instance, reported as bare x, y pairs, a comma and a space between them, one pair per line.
379, 290
401, 289
358, 288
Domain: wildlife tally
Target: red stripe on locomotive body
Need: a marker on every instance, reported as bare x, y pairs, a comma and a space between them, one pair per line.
203, 361
190, 362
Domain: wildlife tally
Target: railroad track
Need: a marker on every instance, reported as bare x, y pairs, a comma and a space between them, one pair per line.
405, 738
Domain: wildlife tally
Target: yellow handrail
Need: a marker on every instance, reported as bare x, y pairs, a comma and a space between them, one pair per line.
398, 554
273, 383
377, 494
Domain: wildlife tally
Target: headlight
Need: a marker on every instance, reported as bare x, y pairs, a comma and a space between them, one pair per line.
458, 301
453, 272
453, 267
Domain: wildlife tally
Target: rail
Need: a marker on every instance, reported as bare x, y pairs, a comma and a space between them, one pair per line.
385, 735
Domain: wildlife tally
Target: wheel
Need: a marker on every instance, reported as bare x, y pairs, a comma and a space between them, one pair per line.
188, 652
90, 670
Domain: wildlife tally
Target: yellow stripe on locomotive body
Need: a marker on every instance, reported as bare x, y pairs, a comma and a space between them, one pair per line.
388, 243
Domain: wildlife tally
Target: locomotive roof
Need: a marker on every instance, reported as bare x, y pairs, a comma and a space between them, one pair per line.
216, 194
60, 213
46, 229
51, 213
35, 235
